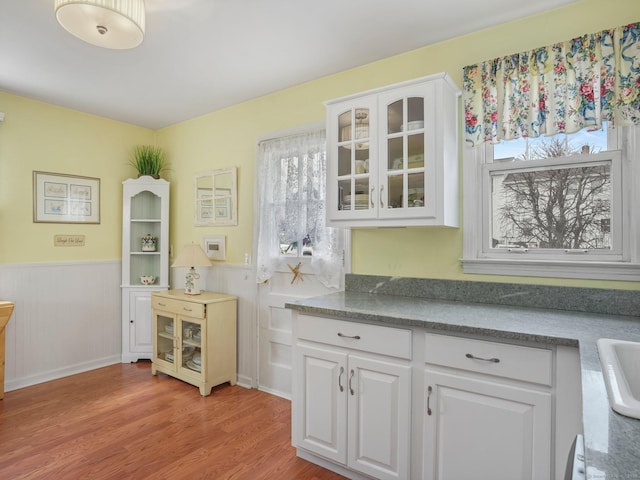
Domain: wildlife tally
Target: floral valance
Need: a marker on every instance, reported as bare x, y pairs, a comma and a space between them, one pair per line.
561, 88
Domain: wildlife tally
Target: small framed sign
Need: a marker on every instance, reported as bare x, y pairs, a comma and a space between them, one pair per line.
214, 247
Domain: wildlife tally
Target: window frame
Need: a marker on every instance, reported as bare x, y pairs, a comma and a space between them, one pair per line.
622, 263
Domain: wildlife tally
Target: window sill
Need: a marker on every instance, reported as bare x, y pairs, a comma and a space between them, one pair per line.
556, 269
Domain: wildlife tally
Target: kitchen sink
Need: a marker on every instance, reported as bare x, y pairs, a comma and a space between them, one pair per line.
620, 360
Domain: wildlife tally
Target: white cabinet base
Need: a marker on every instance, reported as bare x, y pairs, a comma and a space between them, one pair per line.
136, 325
351, 402
477, 426
495, 410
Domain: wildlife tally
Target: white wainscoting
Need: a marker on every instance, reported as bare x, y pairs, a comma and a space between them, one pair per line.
67, 319
238, 280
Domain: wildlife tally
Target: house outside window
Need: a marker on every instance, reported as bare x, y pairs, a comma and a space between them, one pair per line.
560, 206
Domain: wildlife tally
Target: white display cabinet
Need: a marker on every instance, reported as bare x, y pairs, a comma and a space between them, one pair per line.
145, 214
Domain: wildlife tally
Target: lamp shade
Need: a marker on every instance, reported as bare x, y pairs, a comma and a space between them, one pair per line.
192, 256
117, 24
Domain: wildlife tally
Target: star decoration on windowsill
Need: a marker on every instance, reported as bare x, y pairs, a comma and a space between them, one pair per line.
297, 274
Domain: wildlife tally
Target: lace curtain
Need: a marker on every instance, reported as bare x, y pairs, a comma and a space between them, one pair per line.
561, 88
292, 194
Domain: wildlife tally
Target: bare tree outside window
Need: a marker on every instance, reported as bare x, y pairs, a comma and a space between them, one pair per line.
565, 207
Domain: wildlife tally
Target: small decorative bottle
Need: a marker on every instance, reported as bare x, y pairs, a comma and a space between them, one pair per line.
149, 243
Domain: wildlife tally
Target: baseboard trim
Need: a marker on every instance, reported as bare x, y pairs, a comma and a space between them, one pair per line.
17, 383
277, 393
310, 457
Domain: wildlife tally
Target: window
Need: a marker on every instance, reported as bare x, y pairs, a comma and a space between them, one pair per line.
560, 206
553, 209
298, 188
292, 209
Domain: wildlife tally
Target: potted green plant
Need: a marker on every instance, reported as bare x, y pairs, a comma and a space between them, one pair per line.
149, 160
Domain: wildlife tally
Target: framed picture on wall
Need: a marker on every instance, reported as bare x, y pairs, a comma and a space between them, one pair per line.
62, 198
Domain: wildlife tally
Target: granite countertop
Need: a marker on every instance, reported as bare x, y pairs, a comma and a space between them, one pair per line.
612, 441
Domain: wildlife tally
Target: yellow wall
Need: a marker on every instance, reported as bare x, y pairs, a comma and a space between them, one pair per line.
37, 136
43, 137
228, 137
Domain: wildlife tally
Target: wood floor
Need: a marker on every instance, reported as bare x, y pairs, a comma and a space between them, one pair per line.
121, 422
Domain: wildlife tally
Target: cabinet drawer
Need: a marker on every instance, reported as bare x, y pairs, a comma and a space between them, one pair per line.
394, 342
510, 361
179, 307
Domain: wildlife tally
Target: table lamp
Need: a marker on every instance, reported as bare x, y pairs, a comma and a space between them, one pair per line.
192, 256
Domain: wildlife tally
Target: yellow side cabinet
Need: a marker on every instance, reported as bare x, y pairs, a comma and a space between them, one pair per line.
194, 337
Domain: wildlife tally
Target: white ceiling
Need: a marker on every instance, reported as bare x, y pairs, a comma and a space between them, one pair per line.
199, 56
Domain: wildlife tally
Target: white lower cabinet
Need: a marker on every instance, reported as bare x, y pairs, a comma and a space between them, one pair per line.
136, 327
392, 403
353, 408
480, 429
487, 410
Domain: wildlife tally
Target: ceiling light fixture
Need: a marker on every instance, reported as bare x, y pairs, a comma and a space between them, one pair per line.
116, 24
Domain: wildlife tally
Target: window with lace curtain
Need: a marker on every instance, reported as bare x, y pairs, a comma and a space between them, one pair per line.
552, 160
292, 212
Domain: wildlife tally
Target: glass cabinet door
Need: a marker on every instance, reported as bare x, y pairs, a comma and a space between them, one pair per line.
351, 166
403, 171
191, 355
164, 331
354, 174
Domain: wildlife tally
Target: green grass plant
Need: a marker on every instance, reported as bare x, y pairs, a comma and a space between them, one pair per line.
149, 160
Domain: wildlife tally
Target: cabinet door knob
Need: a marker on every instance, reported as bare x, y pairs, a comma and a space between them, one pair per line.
429, 391
371, 197
340, 379
491, 360
381, 196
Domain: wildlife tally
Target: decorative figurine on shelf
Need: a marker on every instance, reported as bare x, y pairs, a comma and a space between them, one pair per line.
149, 243
147, 279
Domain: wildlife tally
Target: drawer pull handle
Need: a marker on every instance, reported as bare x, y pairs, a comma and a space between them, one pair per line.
429, 391
356, 337
340, 379
351, 374
162, 304
492, 360
187, 309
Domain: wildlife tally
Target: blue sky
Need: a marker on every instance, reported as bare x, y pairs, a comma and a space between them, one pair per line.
515, 148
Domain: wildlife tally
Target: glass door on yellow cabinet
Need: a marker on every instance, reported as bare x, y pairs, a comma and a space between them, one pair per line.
164, 331
352, 187
406, 176
190, 341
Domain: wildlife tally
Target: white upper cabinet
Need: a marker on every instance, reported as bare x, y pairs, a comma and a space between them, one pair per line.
393, 155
